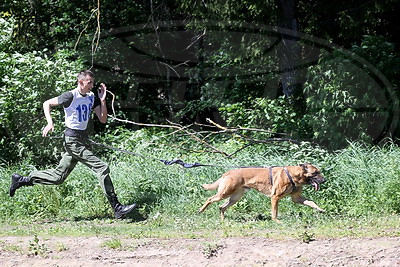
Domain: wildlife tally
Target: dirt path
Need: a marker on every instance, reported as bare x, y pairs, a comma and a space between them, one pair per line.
96, 251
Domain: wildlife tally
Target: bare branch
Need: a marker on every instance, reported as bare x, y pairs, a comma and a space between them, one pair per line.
230, 129
96, 37
135, 123
203, 139
169, 66
198, 38
84, 29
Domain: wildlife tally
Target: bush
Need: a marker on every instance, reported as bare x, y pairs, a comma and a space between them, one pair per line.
275, 115
348, 101
6, 30
27, 80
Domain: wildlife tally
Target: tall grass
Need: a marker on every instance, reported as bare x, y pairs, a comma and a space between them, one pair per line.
361, 181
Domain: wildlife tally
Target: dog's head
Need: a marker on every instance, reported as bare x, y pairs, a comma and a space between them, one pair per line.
312, 175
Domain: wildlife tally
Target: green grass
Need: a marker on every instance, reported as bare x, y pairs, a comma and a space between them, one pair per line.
361, 196
113, 243
299, 228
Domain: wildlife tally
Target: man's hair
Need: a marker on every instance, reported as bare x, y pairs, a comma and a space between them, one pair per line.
82, 74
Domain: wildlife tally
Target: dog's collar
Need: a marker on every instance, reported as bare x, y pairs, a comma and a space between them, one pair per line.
271, 180
290, 177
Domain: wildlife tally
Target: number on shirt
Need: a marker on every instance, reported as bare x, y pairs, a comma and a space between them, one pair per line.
83, 112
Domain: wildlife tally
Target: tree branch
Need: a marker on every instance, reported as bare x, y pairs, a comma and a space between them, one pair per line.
202, 140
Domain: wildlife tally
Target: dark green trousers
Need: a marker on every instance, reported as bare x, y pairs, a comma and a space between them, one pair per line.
77, 150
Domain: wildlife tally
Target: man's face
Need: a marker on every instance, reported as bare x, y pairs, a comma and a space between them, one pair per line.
86, 84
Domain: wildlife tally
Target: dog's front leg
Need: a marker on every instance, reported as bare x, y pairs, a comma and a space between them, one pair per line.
274, 208
273, 191
302, 200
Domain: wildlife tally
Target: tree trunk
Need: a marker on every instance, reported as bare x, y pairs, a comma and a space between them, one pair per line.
290, 50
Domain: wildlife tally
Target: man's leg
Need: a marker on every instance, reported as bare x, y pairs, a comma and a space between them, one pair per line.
48, 177
55, 176
82, 153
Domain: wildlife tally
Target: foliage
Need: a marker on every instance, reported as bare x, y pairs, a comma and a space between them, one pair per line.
307, 237
345, 23
341, 93
276, 115
50, 24
113, 243
211, 250
365, 176
36, 248
382, 55
6, 26
27, 80
58, 24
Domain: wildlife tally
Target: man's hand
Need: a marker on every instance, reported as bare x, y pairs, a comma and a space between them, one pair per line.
101, 110
52, 102
102, 92
47, 129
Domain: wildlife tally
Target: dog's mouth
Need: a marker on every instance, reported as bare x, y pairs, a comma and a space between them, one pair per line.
315, 185
316, 181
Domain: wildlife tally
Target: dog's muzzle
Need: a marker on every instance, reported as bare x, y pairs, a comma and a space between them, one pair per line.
316, 180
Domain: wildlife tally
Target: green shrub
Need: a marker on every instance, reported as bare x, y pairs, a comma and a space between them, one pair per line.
6, 30
26, 81
275, 115
348, 101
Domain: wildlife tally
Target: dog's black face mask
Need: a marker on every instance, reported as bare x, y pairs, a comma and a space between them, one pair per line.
316, 179
313, 174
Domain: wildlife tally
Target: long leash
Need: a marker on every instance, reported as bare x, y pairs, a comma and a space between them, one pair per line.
193, 165
170, 162
174, 161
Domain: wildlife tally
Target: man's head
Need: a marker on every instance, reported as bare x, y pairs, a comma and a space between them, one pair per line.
85, 81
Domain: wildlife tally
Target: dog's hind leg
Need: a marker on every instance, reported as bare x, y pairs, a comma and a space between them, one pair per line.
232, 200
216, 197
211, 200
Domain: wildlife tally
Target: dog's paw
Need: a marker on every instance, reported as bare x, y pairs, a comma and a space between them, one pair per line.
276, 220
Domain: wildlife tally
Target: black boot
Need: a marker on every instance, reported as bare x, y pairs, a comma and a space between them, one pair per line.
120, 211
17, 181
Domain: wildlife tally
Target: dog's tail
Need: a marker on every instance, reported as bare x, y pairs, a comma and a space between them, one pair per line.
212, 186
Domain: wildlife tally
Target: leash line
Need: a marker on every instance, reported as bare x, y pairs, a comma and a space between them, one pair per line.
175, 161
168, 162
194, 165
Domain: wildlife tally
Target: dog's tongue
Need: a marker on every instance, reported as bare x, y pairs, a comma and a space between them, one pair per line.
316, 187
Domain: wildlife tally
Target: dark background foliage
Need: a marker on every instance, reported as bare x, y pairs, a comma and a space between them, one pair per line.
44, 43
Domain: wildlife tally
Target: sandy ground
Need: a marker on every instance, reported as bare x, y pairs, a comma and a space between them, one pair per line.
237, 251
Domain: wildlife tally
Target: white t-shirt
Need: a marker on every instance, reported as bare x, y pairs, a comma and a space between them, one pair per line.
77, 108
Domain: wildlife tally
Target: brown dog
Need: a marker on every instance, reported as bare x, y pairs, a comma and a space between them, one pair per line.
276, 182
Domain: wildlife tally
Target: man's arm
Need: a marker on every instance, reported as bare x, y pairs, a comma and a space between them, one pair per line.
46, 108
101, 110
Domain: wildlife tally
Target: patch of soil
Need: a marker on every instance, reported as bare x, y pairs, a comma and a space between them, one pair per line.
233, 251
